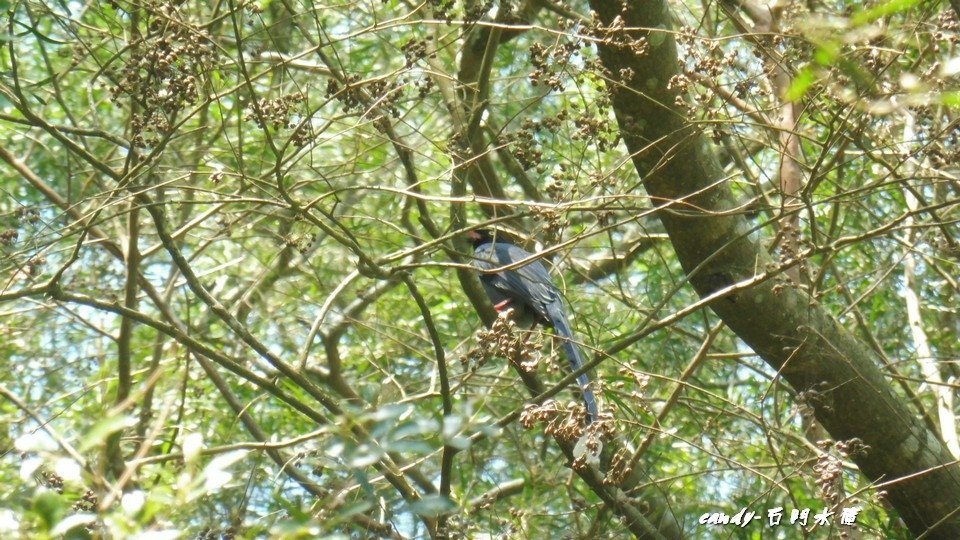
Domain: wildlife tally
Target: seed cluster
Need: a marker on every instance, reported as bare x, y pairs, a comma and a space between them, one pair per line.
366, 97
505, 340
24, 221
619, 470
348, 94
476, 12
616, 35
592, 444
943, 148
162, 73
947, 28
424, 86
549, 62
280, 113
466, 525
442, 9
852, 448
8, 237
550, 221
564, 421
87, 503
415, 50
709, 60
275, 112
792, 245
596, 128
525, 147
23, 217
829, 471
51, 480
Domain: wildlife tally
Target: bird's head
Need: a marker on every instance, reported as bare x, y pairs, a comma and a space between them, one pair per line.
480, 236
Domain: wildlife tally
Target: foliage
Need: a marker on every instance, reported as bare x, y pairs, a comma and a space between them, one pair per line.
231, 235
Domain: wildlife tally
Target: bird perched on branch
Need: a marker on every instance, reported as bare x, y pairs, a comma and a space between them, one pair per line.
528, 288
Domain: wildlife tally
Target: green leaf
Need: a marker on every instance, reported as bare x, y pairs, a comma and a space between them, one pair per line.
102, 429
73, 526
950, 99
801, 83
826, 53
432, 506
50, 507
883, 10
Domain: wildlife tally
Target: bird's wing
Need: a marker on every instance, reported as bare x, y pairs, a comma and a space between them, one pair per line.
529, 284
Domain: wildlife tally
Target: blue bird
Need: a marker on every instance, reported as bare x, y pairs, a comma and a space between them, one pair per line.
529, 289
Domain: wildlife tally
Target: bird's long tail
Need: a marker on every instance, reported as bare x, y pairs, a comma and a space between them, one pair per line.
562, 327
